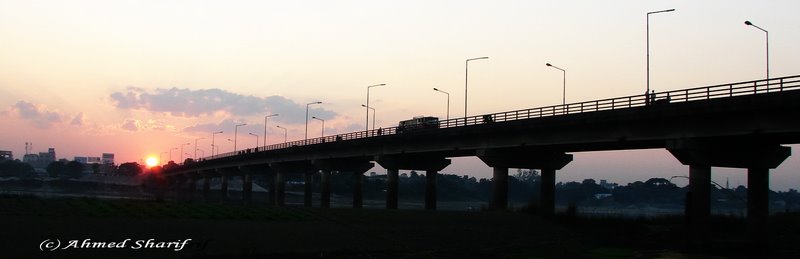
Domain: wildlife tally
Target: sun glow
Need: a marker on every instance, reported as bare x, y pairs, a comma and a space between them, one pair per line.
151, 161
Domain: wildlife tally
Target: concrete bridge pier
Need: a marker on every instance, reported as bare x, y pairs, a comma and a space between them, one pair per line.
431, 164
548, 161
358, 190
178, 182
280, 187
307, 184
358, 166
757, 156
192, 182
206, 188
284, 168
247, 188
392, 188
325, 189
224, 187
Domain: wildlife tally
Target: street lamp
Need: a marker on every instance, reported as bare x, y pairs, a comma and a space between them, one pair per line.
195, 147
182, 151
373, 115
251, 134
564, 96
236, 134
367, 118
466, 79
306, 136
765, 31
284, 132
212, 142
323, 124
448, 101
648, 46
265, 127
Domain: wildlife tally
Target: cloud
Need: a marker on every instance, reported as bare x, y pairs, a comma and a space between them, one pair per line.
36, 114
139, 125
78, 120
195, 103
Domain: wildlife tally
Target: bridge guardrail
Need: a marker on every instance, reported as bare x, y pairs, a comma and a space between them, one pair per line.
685, 95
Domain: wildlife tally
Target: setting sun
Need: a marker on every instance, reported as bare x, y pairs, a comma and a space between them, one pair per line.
151, 161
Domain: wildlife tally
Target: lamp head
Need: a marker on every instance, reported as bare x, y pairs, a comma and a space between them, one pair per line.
549, 65
748, 23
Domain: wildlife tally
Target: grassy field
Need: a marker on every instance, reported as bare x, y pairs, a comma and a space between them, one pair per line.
232, 230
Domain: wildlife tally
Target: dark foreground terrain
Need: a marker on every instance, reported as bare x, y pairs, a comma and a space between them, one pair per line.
31, 224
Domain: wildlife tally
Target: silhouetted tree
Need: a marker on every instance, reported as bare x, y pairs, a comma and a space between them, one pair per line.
73, 169
55, 168
129, 168
10, 168
95, 168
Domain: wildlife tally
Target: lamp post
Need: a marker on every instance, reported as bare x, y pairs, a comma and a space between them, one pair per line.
265, 127
182, 151
306, 136
448, 101
284, 133
195, 147
251, 134
466, 79
373, 115
765, 31
236, 134
367, 118
323, 124
212, 142
564, 96
648, 46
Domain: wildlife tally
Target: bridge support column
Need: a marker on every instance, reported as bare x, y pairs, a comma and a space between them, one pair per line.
224, 187
499, 188
272, 183
192, 187
280, 188
547, 192
358, 166
307, 183
699, 203
206, 188
392, 188
757, 156
548, 161
325, 189
430, 164
430, 189
758, 205
247, 188
358, 190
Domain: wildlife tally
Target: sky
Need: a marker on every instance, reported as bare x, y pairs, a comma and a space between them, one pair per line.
144, 78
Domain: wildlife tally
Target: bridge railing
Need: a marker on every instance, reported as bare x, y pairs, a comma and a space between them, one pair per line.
660, 98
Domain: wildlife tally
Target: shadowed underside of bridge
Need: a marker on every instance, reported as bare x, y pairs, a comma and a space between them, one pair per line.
743, 131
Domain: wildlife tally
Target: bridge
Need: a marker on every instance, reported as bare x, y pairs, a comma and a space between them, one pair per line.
740, 125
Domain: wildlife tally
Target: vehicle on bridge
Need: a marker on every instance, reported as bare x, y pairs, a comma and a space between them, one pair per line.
418, 123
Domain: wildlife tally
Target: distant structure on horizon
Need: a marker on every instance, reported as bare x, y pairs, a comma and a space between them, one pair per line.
4, 154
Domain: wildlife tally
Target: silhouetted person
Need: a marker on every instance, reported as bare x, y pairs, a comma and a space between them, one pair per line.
380, 131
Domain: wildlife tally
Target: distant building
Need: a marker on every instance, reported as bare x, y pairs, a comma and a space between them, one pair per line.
81, 159
93, 160
607, 185
6, 155
40, 160
108, 158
